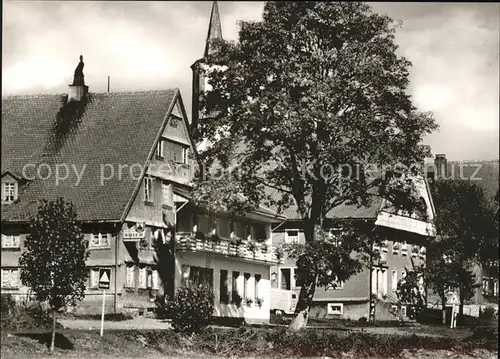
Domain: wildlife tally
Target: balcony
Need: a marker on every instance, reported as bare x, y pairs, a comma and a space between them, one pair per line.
249, 250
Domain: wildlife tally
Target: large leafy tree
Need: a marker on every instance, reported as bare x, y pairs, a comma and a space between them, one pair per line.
54, 261
302, 105
467, 230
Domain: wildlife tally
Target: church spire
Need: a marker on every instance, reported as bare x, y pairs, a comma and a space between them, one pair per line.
214, 29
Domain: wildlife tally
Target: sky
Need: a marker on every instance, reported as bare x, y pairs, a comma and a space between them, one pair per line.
454, 49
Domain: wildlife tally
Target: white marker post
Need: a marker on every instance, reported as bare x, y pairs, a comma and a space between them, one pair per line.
452, 315
104, 276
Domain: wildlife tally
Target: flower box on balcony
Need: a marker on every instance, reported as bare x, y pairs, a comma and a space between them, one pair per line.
233, 250
395, 247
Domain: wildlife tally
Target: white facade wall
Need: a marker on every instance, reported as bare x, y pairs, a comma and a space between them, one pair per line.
253, 313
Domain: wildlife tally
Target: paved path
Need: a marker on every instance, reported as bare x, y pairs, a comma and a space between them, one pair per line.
136, 323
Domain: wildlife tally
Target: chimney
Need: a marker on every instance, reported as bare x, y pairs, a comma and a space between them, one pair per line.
441, 166
78, 90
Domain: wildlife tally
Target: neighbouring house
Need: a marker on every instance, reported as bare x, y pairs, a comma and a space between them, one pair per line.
126, 161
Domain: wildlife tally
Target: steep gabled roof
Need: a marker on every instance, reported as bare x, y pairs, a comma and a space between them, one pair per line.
342, 211
107, 131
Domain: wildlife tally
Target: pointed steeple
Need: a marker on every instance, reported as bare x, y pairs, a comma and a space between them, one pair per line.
214, 28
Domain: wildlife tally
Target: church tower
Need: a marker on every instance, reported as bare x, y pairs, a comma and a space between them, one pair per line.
200, 82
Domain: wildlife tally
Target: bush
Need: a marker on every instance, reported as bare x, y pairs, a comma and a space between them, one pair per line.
430, 316
8, 304
25, 316
191, 308
485, 334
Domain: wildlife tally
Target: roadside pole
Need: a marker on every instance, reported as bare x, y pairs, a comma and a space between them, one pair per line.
104, 281
103, 306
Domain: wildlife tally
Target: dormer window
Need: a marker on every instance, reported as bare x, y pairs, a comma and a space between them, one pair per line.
9, 192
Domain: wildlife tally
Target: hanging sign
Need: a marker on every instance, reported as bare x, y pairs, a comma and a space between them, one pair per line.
134, 234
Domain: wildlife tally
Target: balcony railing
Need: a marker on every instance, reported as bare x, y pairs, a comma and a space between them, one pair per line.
189, 242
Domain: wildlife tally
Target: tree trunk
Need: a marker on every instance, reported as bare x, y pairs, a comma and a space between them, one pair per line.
460, 312
443, 309
303, 305
53, 340
309, 286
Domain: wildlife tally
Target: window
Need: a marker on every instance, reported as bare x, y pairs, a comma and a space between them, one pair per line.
234, 285
374, 281
257, 284
333, 235
201, 276
175, 151
224, 286
285, 278
159, 149
384, 282
173, 121
259, 231
404, 249
403, 311
94, 278
376, 247
130, 282
10, 241
292, 236
155, 279
185, 155
335, 308
403, 274
148, 189
150, 279
274, 280
142, 277
395, 247
421, 286
10, 278
167, 194
9, 192
185, 270
414, 251
246, 287
385, 245
100, 240
336, 284
423, 252
224, 230
394, 280
298, 282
